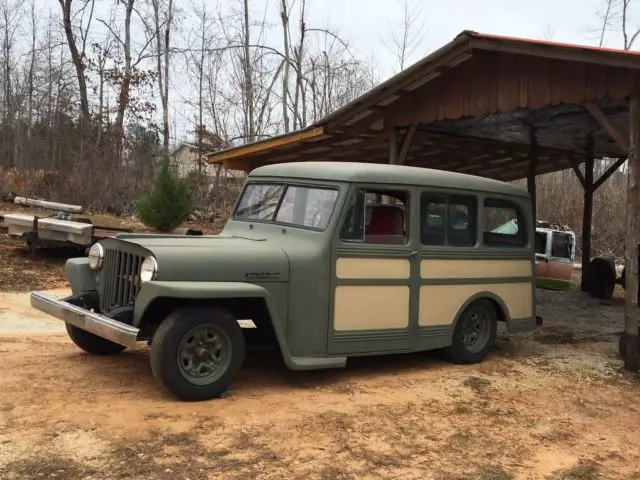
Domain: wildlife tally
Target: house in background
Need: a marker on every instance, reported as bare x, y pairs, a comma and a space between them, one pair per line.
184, 160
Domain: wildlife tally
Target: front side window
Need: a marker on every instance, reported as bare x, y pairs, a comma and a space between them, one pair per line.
296, 205
377, 217
504, 224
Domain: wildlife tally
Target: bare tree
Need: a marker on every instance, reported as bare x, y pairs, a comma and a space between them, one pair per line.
617, 17
162, 34
406, 34
130, 73
77, 56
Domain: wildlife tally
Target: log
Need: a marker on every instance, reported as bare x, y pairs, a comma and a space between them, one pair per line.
31, 202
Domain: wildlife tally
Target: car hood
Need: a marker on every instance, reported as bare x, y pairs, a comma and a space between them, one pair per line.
214, 258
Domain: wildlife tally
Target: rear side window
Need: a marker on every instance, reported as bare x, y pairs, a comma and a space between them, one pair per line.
504, 224
448, 220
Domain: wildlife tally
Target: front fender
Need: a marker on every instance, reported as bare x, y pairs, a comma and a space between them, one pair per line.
153, 290
81, 278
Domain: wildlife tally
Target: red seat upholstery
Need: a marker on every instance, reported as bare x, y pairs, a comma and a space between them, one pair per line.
386, 220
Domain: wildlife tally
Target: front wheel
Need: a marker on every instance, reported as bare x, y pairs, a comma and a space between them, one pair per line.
196, 352
92, 344
474, 333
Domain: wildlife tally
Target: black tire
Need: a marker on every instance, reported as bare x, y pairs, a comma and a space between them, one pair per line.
92, 344
459, 352
175, 336
600, 278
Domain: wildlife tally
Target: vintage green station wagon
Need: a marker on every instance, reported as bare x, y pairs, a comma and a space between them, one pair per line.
322, 260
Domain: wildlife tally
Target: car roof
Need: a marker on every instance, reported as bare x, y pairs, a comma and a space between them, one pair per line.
361, 172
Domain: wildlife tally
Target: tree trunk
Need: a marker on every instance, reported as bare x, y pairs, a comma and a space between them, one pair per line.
123, 97
248, 78
284, 15
76, 58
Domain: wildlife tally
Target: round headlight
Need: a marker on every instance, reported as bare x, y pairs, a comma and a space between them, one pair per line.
96, 256
148, 269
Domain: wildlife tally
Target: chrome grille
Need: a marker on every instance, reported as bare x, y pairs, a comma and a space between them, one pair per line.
120, 284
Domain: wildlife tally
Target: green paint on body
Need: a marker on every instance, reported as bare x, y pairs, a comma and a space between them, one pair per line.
288, 272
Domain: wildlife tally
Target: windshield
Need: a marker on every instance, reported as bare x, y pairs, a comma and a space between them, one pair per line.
301, 206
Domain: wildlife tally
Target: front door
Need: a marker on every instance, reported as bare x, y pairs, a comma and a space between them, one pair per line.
373, 262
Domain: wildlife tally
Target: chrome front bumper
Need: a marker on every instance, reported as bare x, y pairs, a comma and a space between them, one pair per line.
95, 323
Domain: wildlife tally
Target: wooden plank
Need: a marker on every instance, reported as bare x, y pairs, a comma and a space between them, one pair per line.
597, 113
539, 83
619, 83
32, 202
558, 52
508, 85
610, 171
269, 144
523, 83
596, 83
406, 143
574, 90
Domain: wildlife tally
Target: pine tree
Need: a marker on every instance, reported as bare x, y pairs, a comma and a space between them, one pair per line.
168, 204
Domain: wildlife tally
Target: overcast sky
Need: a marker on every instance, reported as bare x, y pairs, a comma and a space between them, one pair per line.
365, 22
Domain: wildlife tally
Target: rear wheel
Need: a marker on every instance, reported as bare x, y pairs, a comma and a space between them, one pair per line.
474, 333
91, 343
196, 353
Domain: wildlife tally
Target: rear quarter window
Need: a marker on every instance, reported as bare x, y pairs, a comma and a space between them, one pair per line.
504, 224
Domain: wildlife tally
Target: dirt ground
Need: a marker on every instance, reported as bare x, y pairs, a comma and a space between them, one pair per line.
553, 404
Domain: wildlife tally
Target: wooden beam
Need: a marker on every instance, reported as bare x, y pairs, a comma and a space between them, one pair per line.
406, 143
534, 153
587, 212
610, 171
599, 116
556, 52
630, 343
393, 146
576, 170
264, 145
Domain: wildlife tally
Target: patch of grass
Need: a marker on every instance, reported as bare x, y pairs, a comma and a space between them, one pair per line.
584, 470
335, 420
477, 384
377, 459
555, 435
462, 409
332, 472
492, 473
45, 466
460, 437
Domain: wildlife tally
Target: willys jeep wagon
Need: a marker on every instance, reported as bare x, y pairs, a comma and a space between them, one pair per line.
324, 261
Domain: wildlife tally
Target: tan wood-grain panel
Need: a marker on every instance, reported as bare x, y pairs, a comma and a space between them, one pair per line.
359, 307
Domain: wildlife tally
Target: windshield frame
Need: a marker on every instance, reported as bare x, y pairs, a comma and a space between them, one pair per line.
286, 184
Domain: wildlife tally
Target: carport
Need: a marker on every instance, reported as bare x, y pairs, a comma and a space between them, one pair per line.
499, 107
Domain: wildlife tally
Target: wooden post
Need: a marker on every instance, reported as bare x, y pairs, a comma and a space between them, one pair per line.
587, 212
531, 177
630, 342
393, 146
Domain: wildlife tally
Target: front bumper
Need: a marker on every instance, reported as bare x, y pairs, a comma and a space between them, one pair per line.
95, 323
